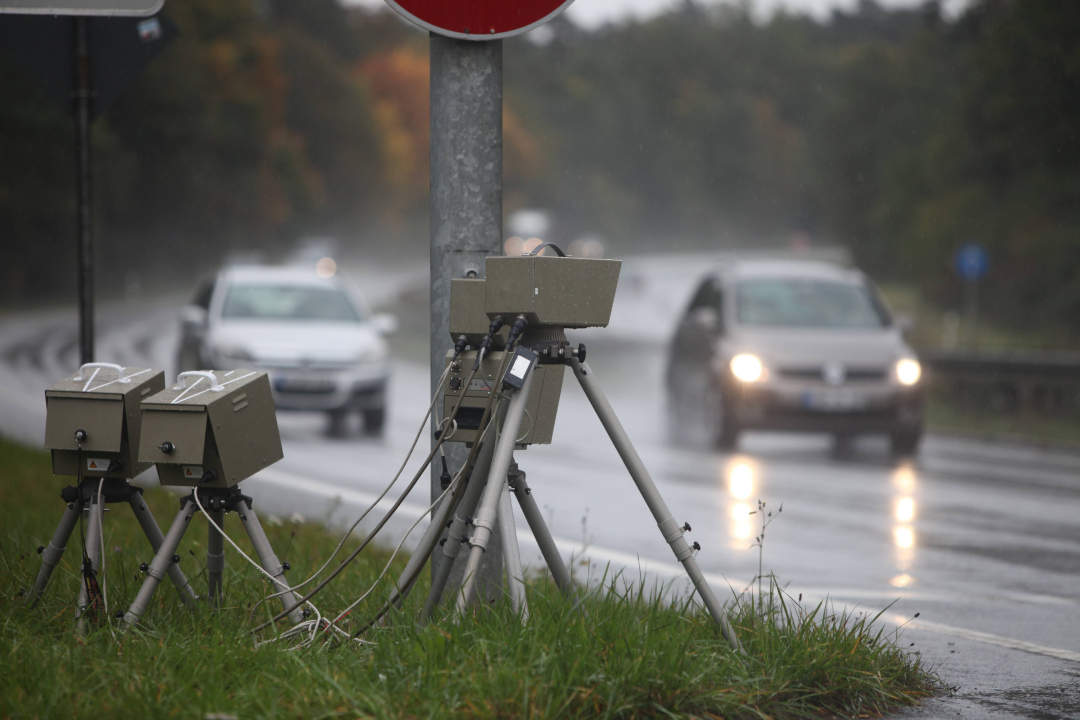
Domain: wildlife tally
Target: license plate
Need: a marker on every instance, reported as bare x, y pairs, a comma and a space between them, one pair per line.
834, 400
304, 385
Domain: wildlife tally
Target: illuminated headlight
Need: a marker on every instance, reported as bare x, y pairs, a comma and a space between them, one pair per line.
233, 351
908, 371
747, 368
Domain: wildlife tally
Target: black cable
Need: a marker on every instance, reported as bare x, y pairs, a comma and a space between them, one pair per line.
485, 344
386, 518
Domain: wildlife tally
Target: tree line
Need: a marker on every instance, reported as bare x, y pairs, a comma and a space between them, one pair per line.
900, 134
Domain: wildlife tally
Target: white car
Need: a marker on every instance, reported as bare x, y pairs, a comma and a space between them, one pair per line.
315, 336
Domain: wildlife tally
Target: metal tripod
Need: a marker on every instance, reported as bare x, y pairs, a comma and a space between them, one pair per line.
487, 504
216, 502
85, 496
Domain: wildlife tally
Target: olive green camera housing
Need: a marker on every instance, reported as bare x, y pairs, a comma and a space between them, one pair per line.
566, 292
226, 426
101, 401
540, 411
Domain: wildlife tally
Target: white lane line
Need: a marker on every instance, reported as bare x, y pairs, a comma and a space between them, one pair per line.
1007, 642
669, 570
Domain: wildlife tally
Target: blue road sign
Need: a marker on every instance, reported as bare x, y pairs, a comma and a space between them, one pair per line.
971, 261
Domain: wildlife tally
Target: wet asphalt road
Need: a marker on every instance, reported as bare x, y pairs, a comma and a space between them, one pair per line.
981, 539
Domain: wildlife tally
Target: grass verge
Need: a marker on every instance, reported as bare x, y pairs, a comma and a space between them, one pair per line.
1059, 431
628, 655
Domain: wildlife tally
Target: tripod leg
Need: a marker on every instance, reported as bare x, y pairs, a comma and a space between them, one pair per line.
669, 527
51, 555
153, 534
215, 556
515, 575
267, 558
163, 560
93, 551
540, 531
451, 544
487, 514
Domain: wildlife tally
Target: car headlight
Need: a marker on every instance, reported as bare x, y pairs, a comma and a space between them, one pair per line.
747, 368
908, 371
233, 351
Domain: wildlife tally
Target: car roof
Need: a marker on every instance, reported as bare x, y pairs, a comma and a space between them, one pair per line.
809, 269
277, 274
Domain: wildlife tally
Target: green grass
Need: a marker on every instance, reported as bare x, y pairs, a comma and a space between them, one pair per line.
629, 656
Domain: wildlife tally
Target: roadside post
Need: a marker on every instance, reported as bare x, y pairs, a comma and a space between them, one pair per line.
466, 168
52, 41
972, 263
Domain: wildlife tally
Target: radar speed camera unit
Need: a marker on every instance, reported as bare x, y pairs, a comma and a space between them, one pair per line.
210, 431
93, 420
541, 296
552, 293
93, 428
211, 423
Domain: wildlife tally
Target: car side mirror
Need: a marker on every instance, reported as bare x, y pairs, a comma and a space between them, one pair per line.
385, 323
193, 316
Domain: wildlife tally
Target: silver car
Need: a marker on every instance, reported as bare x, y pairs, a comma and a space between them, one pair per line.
315, 336
793, 345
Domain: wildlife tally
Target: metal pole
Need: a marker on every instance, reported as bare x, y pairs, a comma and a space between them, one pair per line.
85, 237
457, 534
154, 535
487, 514
515, 574
163, 559
971, 311
215, 556
51, 555
466, 201
540, 532
669, 526
268, 559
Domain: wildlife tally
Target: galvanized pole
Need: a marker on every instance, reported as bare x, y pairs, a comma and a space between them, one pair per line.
466, 209
85, 236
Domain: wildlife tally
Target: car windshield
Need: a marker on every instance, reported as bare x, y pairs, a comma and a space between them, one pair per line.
288, 302
801, 302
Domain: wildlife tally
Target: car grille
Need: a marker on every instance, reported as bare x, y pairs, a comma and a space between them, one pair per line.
853, 374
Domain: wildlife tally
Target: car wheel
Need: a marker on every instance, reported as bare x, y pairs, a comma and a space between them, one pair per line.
905, 441
374, 420
338, 425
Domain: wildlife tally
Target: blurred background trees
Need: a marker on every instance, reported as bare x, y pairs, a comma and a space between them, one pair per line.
899, 134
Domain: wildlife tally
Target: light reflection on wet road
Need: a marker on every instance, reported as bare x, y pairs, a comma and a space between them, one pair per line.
977, 537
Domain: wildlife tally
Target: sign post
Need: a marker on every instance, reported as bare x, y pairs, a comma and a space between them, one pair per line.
972, 263
466, 172
56, 51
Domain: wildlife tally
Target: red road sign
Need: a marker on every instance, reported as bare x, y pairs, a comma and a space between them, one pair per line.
479, 19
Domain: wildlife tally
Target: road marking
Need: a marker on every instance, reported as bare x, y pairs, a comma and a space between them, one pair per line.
619, 559
1006, 642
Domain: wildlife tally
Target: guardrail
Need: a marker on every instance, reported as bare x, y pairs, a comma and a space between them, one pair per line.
1012, 381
